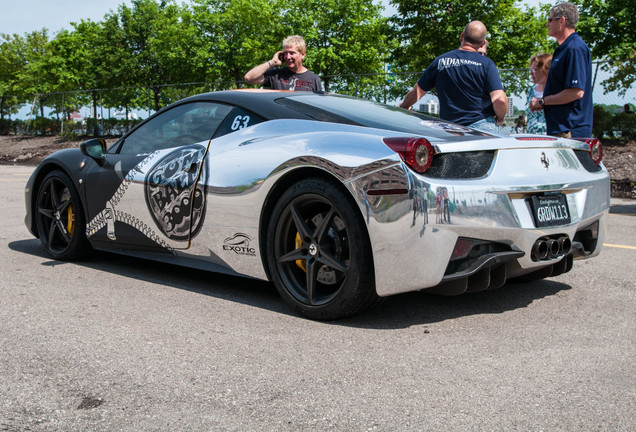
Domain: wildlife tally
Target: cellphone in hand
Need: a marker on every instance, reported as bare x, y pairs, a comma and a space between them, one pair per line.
281, 57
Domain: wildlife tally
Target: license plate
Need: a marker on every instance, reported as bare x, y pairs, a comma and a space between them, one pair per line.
550, 210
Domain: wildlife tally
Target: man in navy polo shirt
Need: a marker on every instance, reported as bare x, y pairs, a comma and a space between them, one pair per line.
468, 85
567, 97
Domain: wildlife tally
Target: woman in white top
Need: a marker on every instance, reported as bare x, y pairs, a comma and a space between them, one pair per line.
539, 66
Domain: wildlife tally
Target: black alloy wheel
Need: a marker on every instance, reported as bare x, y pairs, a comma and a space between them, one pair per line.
318, 251
59, 218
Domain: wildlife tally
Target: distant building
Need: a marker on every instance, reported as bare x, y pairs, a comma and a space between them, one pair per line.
120, 115
510, 112
430, 107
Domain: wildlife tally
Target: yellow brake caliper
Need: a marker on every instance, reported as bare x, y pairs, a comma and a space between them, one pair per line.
70, 220
300, 262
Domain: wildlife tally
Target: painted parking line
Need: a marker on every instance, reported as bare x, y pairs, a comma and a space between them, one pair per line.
619, 246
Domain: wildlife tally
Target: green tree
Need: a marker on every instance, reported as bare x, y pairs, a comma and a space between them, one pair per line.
33, 49
10, 65
113, 63
66, 67
343, 37
236, 35
609, 28
159, 39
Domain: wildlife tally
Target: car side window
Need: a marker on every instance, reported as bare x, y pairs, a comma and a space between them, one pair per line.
237, 119
182, 125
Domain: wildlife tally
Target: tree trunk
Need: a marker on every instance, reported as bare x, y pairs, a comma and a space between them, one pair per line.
95, 129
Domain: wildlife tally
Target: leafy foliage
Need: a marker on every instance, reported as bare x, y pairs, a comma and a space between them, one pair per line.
235, 35
611, 119
343, 37
11, 63
609, 27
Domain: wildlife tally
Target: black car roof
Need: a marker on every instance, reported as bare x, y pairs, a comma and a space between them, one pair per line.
261, 102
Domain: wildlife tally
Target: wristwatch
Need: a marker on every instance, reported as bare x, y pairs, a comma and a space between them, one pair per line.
541, 102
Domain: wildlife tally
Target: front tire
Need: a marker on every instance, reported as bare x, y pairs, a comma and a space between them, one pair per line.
60, 218
318, 251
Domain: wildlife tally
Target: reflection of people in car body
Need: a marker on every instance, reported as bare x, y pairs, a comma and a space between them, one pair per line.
446, 206
294, 76
438, 207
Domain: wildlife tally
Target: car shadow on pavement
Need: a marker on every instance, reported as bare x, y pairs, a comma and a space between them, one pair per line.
421, 308
244, 290
395, 312
624, 207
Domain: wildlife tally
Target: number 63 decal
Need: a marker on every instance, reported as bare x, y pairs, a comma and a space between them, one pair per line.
240, 122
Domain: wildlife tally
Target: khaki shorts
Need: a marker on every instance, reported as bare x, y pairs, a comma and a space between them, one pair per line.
567, 134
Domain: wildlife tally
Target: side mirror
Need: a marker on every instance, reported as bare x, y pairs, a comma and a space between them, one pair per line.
94, 149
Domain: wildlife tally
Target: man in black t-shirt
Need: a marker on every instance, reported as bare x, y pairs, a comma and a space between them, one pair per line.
468, 85
294, 76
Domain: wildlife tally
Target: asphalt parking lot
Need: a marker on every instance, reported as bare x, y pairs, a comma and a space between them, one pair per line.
116, 343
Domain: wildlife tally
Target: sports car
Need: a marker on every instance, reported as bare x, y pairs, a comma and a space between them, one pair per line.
338, 201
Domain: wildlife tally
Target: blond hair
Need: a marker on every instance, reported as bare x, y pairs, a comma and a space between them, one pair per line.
295, 41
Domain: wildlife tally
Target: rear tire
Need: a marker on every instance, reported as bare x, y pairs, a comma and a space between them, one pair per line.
318, 251
60, 218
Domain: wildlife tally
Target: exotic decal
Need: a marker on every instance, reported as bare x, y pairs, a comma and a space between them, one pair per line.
239, 243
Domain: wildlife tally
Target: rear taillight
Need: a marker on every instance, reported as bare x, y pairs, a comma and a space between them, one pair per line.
417, 153
596, 148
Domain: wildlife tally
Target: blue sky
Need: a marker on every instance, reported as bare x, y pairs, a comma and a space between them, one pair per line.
25, 16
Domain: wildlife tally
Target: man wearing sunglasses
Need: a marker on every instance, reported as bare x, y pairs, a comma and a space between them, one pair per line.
567, 97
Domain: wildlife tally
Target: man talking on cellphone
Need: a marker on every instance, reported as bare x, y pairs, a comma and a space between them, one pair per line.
293, 76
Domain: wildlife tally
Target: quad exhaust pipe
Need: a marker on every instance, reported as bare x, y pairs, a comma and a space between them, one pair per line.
547, 248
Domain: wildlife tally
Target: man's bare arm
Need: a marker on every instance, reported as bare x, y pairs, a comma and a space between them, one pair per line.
499, 104
256, 75
415, 94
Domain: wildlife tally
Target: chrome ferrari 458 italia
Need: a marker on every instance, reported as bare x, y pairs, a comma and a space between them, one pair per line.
336, 200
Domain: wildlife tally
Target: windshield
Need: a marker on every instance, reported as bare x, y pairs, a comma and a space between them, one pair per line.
350, 110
